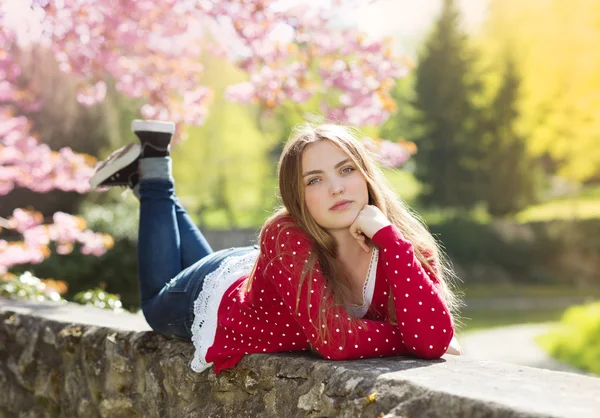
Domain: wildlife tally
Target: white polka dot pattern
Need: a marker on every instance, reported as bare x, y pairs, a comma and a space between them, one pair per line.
421, 311
265, 319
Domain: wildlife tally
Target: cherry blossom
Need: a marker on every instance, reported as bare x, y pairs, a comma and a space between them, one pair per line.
152, 51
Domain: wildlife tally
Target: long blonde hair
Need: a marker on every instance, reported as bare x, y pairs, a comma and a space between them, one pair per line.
291, 190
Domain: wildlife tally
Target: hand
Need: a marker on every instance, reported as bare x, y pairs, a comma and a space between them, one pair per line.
454, 348
369, 220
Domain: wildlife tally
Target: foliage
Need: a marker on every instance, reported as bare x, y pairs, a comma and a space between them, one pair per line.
541, 252
586, 205
450, 151
98, 298
115, 271
125, 48
576, 339
278, 46
222, 172
402, 124
27, 287
554, 43
510, 177
65, 231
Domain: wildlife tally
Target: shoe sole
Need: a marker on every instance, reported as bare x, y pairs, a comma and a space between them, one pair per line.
152, 126
118, 164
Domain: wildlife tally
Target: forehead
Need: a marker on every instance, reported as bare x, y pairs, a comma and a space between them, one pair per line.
321, 155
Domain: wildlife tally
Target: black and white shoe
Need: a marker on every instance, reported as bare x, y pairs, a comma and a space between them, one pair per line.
119, 169
155, 137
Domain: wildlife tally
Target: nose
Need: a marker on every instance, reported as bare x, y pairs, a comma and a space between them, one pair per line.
337, 188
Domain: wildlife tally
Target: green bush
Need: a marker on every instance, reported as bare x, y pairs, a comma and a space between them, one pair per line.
576, 339
541, 252
115, 271
98, 298
28, 287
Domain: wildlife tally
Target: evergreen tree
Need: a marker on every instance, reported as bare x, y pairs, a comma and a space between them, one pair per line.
446, 85
510, 176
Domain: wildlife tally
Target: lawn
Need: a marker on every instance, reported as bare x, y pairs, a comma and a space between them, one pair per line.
475, 320
581, 208
507, 290
585, 205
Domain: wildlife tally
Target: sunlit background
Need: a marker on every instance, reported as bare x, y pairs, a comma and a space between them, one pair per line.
485, 115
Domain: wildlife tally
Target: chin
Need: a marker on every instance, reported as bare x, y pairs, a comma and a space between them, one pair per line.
340, 221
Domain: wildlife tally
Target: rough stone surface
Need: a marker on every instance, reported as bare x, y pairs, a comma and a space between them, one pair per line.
65, 360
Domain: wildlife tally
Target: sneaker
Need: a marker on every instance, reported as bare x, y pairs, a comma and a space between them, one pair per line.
119, 169
155, 136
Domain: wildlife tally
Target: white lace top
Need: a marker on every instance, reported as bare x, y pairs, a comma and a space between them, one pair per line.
207, 303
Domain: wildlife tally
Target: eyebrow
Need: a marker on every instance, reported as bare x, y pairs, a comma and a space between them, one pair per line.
347, 160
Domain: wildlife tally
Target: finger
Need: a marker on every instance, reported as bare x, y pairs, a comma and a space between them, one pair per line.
362, 242
364, 246
354, 230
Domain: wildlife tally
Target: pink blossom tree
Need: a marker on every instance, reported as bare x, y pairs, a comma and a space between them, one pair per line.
150, 50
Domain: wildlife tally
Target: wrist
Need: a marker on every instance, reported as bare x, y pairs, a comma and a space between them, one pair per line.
379, 226
377, 236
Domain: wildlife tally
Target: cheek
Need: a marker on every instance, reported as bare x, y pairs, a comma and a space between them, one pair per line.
359, 188
311, 198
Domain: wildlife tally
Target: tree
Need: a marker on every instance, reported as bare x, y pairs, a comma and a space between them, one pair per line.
24, 162
556, 45
510, 176
448, 161
150, 51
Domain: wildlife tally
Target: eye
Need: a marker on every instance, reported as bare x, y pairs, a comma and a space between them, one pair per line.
312, 181
347, 170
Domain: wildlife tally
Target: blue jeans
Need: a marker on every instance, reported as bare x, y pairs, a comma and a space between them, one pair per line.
173, 259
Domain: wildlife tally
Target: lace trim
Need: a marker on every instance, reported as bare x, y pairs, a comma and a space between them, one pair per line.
359, 311
206, 305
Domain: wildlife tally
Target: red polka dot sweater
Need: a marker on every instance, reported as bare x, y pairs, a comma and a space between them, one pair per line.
231, 321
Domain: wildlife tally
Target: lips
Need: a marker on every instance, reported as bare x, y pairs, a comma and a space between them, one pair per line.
340, 204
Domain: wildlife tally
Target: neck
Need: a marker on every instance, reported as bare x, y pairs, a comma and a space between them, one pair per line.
348, 247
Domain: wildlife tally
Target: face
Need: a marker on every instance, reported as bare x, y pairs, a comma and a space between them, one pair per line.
330, 177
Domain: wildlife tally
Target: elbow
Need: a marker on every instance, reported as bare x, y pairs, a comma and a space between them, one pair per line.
431, 353
434, 348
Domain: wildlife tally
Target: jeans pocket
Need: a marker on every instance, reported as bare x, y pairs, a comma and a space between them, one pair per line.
179, 284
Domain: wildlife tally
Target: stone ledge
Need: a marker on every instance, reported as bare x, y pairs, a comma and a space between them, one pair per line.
63, 360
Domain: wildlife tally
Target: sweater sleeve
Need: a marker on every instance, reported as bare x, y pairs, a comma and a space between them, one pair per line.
422, 315
287, 249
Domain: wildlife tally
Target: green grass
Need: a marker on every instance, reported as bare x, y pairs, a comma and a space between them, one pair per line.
584, 205
499, 290
576, 339
582, 208
477, 320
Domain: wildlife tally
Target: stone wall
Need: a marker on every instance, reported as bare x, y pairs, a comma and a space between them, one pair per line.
66, 360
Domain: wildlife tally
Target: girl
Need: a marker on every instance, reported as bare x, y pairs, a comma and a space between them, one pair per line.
342, 269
